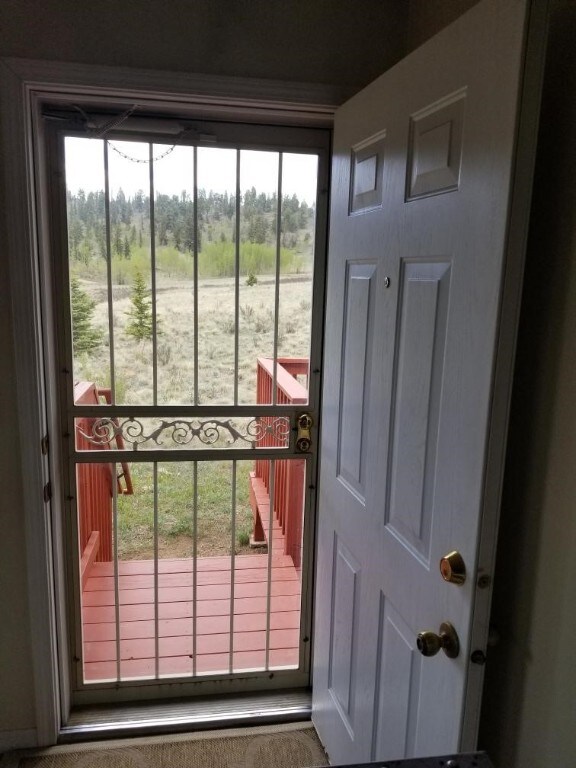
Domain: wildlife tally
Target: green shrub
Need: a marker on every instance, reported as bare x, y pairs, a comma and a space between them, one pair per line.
243, 539
219, 260
174, 263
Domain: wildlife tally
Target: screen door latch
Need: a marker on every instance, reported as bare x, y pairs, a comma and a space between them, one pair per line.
304, 439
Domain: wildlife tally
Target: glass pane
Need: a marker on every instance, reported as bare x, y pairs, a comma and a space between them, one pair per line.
299, 176
217, 269
242, 313
174, 229
131, 261
87, 249
228, 571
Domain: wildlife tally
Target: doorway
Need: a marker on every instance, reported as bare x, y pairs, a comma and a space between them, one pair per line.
189, 299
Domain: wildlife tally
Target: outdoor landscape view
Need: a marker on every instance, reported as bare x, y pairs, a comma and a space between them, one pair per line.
206, 353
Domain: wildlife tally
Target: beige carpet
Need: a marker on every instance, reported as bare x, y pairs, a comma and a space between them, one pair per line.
292, 745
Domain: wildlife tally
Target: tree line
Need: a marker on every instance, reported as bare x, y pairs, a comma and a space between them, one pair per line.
174, 223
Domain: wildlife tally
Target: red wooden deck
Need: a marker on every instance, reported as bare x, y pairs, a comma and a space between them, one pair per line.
175, 614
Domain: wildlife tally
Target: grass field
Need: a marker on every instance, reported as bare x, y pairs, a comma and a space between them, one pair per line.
176, 376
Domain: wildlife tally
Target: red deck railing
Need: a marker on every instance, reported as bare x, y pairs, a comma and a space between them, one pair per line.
289, 473
94, 484
94, 481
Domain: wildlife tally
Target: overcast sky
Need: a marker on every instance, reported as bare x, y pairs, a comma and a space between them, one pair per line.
173, 170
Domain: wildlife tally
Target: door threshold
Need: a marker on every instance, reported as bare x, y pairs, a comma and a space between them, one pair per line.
149, 718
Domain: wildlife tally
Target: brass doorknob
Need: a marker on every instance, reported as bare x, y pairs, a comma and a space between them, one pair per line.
429, 643
453, 568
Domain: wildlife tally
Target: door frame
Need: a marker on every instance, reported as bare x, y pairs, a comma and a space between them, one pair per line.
55, 272
527, 125
25, 87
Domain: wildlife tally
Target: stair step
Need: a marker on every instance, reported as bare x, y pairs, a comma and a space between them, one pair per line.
262, 500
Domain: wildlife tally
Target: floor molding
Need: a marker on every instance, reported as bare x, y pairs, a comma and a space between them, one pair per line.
20, 739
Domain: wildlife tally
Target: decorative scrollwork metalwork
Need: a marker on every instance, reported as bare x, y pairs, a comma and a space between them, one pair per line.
104, 432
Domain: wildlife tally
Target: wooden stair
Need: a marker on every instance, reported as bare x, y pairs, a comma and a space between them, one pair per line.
260, 501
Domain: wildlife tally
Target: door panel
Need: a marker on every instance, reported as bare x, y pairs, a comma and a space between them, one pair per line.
398, 682
422, 173
417, 387
356, 349
344, 641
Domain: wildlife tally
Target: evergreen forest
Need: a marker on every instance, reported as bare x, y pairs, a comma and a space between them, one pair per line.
174, 230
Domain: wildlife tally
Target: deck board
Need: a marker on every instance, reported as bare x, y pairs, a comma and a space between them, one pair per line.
204, 578
213, 650
186, 564
183, 665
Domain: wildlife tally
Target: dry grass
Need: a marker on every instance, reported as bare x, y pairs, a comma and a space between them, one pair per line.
216, 325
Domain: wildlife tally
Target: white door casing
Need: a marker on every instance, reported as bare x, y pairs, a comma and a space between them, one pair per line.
26, 86
424, 160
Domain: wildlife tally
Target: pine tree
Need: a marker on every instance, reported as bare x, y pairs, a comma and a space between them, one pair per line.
140, 314
126, 248
85, 337
257, 229
117, 237
75, 237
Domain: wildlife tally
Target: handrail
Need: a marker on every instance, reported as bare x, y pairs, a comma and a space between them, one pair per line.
94, 481
125, 475
289, 473
289, 389
94, 485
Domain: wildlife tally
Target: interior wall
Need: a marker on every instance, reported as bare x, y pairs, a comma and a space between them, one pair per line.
16, 701
427, 17
529, 711
322, 41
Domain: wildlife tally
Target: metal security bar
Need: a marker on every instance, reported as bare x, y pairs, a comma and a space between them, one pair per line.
232, 567
237, 277
156, 618
277, 283
195, 575
109, 273
272, 483
116, 584
196, 323
153, 280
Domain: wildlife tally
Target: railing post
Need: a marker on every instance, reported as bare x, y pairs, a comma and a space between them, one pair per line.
295, 509
290, 473
94, 484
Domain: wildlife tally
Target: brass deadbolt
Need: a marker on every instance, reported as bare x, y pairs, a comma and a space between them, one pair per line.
453, 568
304, 438
429, 643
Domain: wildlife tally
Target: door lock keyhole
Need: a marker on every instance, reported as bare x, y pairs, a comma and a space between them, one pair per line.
304, 438
429, 643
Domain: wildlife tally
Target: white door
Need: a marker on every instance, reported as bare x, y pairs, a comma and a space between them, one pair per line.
422, 186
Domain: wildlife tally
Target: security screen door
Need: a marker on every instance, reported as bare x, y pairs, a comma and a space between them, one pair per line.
191, 292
